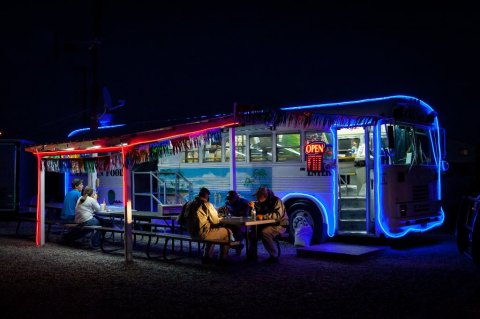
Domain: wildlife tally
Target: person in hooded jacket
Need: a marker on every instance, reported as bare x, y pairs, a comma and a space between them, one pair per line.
268, 206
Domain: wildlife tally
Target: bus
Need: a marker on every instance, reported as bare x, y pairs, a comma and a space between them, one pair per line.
369, 167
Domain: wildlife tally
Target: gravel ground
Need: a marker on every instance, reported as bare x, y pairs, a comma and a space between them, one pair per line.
416, 277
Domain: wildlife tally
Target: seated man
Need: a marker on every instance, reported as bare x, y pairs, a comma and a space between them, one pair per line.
271, 207
200, 218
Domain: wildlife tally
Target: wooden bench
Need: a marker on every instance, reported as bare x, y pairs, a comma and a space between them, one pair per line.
166, 237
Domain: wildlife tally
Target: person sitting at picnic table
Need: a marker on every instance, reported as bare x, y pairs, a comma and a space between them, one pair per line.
201, 220
238, 207
85, 210
268, 206
70, 201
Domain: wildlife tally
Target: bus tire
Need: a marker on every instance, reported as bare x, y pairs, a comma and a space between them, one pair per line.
301, 212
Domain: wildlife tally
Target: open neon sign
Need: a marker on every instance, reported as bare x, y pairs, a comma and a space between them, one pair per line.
314, 152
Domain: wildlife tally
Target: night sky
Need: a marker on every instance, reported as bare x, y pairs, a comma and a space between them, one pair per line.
177, 61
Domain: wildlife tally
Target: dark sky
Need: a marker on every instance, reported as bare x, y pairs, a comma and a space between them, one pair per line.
173, 61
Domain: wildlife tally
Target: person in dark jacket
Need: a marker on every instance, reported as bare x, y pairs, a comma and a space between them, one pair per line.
270, 207
238, 207
201, 220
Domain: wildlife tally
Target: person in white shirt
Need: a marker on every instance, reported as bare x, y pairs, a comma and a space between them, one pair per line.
87, 205
85, 210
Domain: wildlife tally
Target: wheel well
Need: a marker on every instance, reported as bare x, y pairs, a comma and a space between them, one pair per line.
320, 229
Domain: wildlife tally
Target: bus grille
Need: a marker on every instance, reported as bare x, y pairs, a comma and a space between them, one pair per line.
420, 193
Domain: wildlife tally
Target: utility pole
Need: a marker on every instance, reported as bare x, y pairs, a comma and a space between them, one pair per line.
93, 50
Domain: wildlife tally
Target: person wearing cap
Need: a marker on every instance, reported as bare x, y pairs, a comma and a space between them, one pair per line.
202, 222
70, 201
238, 207
271, 207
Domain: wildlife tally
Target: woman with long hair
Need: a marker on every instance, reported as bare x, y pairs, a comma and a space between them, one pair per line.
85, 210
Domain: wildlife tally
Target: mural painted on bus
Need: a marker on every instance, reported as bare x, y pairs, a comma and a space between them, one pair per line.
217, 180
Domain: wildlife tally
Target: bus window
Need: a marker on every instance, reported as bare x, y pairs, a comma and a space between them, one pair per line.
240, 141
213, 151
260, 148
288, 147
321, 136
190, 156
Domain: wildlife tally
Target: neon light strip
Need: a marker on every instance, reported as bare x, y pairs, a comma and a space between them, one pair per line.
335, 180
74, 132
39, 209
65, 183
439, 184
139, 142
330, 230
292, 108
183, 134
379, 211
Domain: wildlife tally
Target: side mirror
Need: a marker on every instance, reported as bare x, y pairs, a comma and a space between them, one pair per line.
444, 166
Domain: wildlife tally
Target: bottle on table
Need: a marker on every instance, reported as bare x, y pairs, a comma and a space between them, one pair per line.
253, 213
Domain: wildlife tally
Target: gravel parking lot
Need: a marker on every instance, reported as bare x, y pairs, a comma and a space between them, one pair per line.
416, 277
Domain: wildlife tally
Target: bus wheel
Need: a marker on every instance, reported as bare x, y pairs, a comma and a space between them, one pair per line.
304, 213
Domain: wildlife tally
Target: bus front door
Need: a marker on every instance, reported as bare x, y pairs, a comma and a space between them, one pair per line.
354, 172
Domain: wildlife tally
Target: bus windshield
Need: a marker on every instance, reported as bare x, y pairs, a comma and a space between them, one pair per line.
412, 145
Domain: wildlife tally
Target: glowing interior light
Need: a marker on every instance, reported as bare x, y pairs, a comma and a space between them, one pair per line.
93, 147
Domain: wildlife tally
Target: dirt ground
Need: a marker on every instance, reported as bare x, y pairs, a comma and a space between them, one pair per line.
416, 277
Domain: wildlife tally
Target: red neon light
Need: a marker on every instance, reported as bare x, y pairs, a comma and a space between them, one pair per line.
134, 143
124, 177
37, 225
183, 134
72, 152
315, 148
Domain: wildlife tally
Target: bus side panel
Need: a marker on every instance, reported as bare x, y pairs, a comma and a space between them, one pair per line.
290, 180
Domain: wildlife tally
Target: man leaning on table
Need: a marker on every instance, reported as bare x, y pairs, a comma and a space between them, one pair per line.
201, 220
268, 206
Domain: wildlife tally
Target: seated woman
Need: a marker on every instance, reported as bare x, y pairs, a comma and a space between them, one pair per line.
85, 210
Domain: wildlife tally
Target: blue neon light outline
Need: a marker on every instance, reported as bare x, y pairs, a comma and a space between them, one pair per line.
439, 176
335, 180
422, 103
74, 132
324, 211
65, 184
379, 194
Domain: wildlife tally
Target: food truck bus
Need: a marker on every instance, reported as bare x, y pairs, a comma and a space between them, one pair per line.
368, 167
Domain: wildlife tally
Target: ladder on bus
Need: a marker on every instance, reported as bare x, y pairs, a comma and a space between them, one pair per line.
468, 228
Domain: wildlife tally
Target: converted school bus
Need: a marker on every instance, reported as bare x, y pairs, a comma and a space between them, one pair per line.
368, 167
